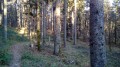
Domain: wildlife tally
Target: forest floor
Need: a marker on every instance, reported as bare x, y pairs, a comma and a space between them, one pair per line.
16, 51
71, 56
25, 56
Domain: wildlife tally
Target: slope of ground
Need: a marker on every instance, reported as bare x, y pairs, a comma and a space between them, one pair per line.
16, 51
16, 54
13, 37
71, 56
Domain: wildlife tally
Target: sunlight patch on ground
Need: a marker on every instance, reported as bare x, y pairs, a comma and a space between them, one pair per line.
22, 31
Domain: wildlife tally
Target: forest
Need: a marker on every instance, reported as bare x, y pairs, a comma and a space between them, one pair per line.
59, 33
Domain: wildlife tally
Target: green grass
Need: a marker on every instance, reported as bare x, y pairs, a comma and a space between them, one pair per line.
72, 56
30, 60
45, 61
5, 57
113, 59
13, 37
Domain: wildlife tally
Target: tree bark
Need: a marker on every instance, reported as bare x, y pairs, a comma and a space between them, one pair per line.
65, 21
115, 32
109, 43
5, 19
97, 40
44, 22
1, 13
38, 26
75, 21
57, 28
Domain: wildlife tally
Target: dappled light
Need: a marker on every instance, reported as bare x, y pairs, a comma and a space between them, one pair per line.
59, 33
22, 31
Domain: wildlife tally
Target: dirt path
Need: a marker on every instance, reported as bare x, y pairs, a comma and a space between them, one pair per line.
16, 52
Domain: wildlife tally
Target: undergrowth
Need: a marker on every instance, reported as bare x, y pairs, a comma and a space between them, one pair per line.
71, 56
13, 37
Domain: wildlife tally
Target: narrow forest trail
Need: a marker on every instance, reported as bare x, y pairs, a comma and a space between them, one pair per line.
17, 50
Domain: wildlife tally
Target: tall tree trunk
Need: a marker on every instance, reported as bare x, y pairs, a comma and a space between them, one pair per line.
65, 21
75, 21
97, 40
52, 19
41, 23
1, 13
38, 26
115, 32
5, 19
44, 22
73, 18
29, 31
109, 37
21, 23
57, 28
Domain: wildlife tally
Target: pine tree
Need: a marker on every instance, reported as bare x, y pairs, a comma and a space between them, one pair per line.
57, 28
97, 40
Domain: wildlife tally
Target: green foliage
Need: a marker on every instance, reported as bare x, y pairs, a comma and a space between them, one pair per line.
13, 36
27, 56
72, 56
30, 60
113, 59
5, 57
